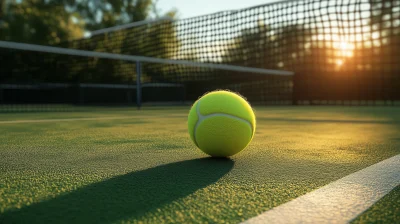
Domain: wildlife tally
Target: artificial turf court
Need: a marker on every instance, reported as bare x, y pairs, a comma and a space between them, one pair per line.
129, 166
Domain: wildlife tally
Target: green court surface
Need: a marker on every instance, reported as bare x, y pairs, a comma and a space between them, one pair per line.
130, 166
387, 210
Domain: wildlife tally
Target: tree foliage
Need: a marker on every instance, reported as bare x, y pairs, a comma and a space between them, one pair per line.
38, 21
108, 13
260, 46
55, 21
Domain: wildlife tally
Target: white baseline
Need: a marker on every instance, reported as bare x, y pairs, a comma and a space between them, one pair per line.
340, 201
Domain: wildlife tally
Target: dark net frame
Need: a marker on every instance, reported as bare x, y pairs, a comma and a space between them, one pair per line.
342, 52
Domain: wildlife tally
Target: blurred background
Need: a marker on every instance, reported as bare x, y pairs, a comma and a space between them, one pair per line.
341, 52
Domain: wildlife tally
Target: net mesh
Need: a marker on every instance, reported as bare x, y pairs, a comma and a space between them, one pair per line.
36, 80
342, 52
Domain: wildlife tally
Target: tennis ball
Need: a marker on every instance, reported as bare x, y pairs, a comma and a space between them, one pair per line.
221, 123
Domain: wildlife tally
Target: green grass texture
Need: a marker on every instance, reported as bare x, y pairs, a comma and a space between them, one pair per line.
386, 210
140, 166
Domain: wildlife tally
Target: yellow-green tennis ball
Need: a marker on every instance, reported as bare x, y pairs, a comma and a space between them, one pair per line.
221, 123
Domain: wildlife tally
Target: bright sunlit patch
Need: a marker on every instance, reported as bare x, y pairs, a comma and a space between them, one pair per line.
344, 49
346, 46
375, 35
349, 54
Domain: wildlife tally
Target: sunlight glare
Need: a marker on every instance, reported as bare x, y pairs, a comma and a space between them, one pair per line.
345, 49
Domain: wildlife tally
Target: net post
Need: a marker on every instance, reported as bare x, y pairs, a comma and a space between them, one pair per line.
1, 94
81, 94
183, 94
138, 84
295, 97
2, 106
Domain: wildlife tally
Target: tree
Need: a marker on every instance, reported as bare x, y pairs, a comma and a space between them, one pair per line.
51, 22
39, 22
2, 4
108, 13
157, 39
55, 21
262, 47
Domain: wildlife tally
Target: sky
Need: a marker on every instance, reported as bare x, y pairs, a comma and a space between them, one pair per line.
191, 8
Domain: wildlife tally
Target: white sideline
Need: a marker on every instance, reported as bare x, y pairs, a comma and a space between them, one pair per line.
340, 201
61, 120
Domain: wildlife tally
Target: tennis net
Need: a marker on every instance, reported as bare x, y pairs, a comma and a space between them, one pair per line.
44, 78
341, 50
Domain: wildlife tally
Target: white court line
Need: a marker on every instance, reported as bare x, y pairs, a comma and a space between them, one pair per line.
61, 120
340, 201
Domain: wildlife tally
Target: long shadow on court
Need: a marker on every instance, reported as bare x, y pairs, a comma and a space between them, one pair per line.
127, 196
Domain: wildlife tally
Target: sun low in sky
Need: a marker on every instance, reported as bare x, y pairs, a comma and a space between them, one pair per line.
344, 50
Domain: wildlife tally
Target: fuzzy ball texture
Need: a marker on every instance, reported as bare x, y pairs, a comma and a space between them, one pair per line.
221, 123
